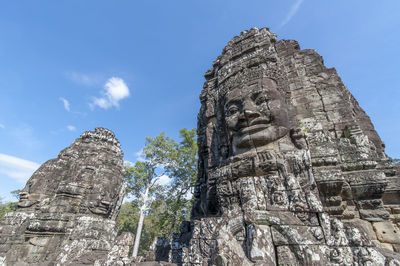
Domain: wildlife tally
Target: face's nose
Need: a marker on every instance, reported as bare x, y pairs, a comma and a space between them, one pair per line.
247, 114
249, 110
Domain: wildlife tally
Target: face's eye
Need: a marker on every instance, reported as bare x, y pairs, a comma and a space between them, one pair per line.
260, 100
232, 110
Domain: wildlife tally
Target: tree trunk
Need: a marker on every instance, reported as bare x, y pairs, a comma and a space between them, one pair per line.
171, 231
140, 223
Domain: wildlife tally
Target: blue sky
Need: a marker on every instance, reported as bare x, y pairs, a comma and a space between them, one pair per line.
136, 67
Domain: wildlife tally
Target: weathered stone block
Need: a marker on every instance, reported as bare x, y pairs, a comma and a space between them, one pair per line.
262, 250
314, 255
285, 218
362, 225
297, 235
386, 232
378, 215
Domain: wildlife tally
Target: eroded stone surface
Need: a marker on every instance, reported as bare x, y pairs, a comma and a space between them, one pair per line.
288, 163
67, 211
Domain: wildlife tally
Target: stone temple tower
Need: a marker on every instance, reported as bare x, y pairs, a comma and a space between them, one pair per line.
291, 170
67, 210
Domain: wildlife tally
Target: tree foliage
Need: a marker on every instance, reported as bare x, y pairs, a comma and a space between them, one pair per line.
395, 161
15, 193
183, 171
166, 206
6, 207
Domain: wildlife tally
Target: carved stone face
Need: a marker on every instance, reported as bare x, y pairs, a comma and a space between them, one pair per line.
90, 184
38, 187
256, 115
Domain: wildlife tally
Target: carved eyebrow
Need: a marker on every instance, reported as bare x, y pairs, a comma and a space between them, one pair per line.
233, 101
255, 94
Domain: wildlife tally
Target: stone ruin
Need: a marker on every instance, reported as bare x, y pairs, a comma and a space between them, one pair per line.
67, 210
291, 172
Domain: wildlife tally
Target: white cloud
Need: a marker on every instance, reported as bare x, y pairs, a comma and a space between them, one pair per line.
66, 104
71, 128
163, 180
24, 136
2, 126
84, 79
114, 91
16, 168
293, 10
188, 195
140, 156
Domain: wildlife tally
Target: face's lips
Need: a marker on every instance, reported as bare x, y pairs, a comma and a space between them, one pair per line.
252, 129
253, 126
259, 121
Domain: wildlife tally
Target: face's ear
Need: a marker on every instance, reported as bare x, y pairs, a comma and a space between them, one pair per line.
298, 138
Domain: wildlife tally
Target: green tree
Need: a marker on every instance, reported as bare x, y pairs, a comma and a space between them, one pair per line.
142, 177
128, 217
395, 161
15, 193
183, 171
6, 207
160, 209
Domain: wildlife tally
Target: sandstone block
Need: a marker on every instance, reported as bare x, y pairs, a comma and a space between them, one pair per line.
386, 232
